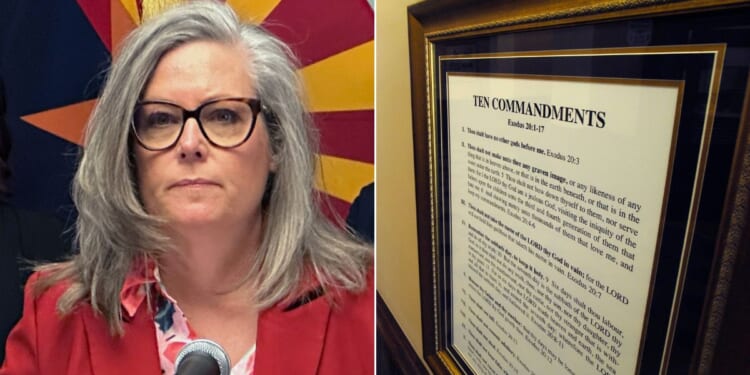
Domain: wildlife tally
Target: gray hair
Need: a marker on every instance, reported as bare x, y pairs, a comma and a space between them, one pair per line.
114, 230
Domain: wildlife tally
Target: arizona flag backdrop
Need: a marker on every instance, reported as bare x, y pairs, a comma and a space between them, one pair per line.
53, 55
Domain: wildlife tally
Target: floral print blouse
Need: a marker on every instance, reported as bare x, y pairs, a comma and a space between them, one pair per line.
173, 330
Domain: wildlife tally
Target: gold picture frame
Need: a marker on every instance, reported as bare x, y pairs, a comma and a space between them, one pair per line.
694, 287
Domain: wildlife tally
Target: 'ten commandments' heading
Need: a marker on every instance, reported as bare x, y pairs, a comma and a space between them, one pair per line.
572, 115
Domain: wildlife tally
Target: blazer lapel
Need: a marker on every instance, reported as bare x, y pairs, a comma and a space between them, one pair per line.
291, 342
134, 353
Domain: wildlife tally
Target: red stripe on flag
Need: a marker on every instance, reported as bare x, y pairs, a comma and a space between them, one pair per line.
98, 13
347, 134
321, 28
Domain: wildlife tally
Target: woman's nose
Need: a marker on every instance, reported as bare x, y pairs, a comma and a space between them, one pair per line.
192, 144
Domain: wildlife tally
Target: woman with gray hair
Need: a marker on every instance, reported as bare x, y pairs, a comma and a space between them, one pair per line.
198, 219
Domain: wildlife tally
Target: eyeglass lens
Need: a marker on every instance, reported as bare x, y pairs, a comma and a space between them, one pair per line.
225, 123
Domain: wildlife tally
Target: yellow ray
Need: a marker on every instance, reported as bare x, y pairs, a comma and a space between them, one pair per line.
342, 178
255, 11
65, 122
342, 82
152, 8
131, 7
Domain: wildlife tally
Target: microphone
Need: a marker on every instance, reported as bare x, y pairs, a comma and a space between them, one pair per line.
202, 357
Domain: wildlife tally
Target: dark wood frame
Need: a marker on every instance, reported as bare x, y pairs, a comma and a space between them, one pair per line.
722, 337
398, 350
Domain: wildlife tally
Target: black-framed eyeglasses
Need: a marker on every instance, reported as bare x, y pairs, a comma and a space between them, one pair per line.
225, 123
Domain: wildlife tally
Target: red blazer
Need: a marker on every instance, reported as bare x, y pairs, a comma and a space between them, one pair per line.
315, 338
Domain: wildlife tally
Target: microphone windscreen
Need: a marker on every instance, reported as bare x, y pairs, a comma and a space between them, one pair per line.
202, 357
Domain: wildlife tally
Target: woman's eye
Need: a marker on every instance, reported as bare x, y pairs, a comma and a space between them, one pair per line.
161, 119
224, 116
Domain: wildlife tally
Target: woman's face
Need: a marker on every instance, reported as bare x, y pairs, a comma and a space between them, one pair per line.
194, 184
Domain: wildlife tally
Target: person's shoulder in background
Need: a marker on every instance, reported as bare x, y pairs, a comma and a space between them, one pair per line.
25, 237
36, 236
361, 217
